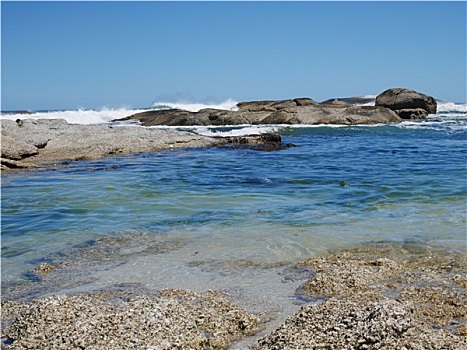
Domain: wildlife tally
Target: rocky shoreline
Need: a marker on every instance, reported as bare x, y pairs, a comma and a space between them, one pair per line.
32, 144
376, 296
35, 144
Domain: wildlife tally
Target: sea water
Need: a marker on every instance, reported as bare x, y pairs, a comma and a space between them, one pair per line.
237, 219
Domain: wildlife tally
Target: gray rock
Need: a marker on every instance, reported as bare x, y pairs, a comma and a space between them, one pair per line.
32, 137
17, 149
407, 103
34, 143
160, 117
314, 115
412, 113
297, 111
44, 142
265, 106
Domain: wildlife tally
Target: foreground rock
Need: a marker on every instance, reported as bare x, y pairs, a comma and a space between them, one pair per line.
33, 143
408, 104
175, 319
380, 297
298, 111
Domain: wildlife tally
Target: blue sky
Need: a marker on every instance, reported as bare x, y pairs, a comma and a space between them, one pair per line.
94, 54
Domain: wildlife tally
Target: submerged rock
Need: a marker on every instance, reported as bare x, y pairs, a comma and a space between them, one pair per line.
408, 104
260, 142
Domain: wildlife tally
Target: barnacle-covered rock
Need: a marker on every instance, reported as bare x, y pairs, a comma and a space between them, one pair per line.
116, 320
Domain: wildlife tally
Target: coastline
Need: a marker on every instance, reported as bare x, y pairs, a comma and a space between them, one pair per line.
36, 144
32, 143
373, 295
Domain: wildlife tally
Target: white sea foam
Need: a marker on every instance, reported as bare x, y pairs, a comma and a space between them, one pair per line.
370, 103
447, 106
225, 131
247, 129
451, 122
237, 131
442, 106
230, 105
78, 116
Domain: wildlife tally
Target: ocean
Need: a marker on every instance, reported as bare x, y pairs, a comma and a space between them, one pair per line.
236, 220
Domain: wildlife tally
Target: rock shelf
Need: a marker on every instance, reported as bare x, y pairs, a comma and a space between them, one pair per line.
377, 296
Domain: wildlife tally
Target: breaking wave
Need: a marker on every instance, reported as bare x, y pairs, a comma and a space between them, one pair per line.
226, 131
105, 115
451, 107
230, 105
78, 116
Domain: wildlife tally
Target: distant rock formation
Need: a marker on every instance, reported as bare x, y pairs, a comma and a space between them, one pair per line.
408, 104
297, 111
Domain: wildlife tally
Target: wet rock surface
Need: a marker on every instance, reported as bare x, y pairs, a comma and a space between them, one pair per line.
375, 296
261, 142
380, 297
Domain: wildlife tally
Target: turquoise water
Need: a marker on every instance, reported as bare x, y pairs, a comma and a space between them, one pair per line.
229, 218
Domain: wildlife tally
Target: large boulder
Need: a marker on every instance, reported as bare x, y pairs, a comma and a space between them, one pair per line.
408, 104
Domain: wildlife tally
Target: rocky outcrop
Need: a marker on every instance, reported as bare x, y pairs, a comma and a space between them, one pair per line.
297, 111
32, 143
408, 104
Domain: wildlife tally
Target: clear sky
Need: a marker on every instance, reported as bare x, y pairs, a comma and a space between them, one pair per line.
112, 54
